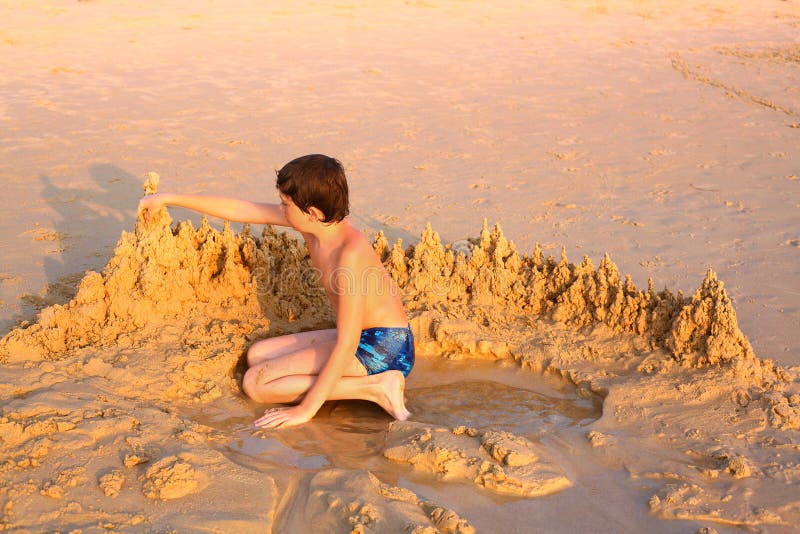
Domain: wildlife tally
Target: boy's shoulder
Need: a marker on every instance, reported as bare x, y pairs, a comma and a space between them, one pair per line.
356, 249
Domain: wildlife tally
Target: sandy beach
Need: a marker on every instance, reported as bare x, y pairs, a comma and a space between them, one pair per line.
606, 300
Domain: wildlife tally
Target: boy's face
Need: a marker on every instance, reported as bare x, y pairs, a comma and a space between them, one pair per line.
296, 217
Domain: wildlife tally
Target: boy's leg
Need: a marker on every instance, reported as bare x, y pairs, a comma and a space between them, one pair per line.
307, 361
287, 378
274, 347
385, 389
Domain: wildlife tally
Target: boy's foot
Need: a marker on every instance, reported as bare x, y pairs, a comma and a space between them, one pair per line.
392, 385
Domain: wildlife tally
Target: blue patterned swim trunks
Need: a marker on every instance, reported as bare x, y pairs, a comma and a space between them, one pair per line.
386, 349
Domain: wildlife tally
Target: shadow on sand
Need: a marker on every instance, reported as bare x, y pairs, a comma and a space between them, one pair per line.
87, 223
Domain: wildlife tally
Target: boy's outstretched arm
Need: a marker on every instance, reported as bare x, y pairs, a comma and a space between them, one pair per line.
232, 209
347, 283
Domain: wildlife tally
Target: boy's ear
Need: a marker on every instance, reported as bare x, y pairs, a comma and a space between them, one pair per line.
315, 214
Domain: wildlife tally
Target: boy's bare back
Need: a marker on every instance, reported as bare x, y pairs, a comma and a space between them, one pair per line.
350, 267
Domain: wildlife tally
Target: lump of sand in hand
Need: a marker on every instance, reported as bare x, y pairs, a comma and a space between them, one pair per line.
151, 183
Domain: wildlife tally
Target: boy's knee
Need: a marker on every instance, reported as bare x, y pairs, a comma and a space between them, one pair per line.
250, 384
255, 384
253, 354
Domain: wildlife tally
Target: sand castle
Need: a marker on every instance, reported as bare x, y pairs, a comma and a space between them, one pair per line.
163, 272
167, 321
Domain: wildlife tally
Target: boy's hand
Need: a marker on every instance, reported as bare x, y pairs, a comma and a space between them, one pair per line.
150, 204
283, 417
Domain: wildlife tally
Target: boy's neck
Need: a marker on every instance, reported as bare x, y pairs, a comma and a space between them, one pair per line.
330, 234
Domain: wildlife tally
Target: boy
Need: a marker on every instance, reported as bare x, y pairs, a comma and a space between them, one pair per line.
371, 350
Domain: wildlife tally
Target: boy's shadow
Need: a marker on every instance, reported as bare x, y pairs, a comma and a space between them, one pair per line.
86, 226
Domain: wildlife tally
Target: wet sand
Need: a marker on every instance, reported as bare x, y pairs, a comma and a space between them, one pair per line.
665, 134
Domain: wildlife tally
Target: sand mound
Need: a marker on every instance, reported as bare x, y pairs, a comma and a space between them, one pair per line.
498, 461
160, 275
702, 330
156, 274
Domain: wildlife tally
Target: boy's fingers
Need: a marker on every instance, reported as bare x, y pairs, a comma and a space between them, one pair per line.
269, 418
262, 422
273, 423
277, 418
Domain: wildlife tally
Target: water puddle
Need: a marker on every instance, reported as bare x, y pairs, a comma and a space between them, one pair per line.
351, 434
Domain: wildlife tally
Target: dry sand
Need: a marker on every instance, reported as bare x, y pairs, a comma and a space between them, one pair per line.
549, 394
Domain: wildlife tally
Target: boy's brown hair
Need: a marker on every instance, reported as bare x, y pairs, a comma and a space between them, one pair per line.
319, 181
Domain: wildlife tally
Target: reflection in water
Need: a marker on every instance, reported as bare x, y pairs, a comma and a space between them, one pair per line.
346, 434
343, 434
